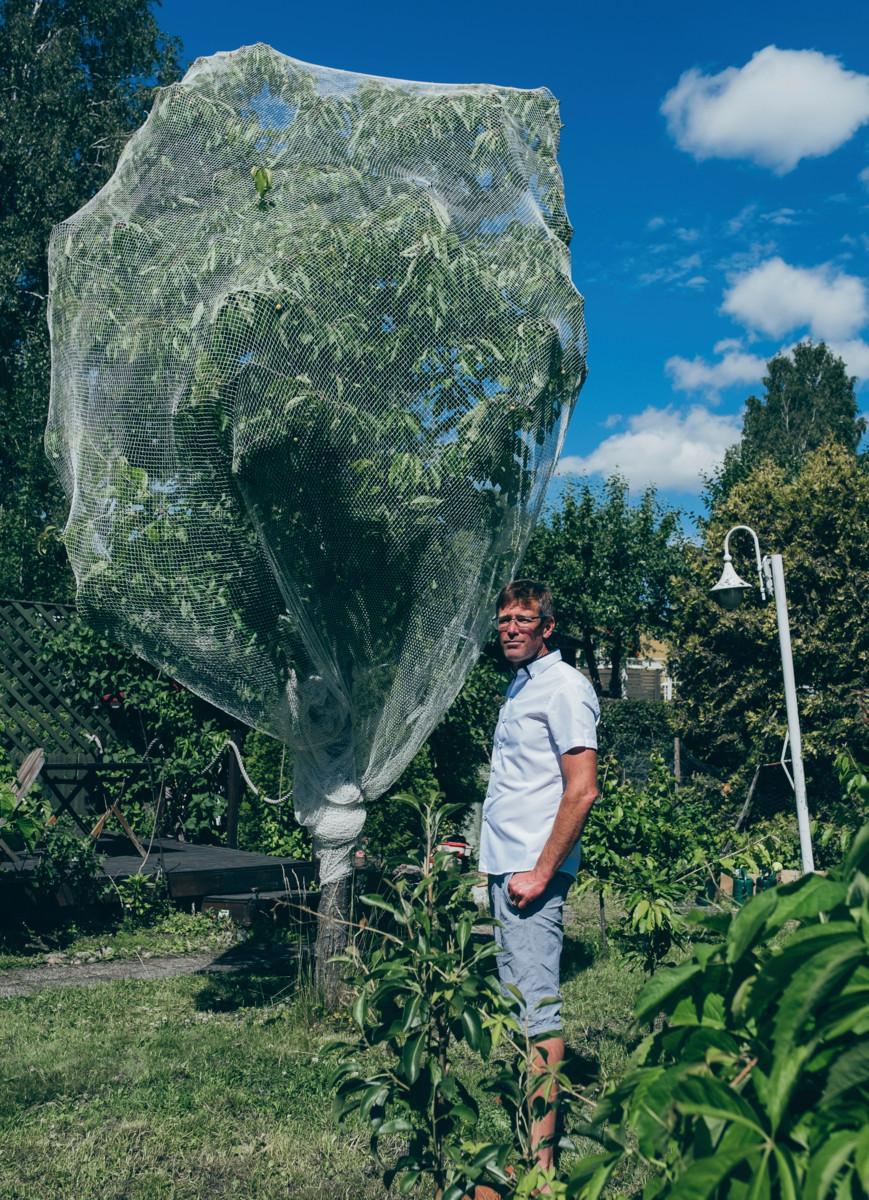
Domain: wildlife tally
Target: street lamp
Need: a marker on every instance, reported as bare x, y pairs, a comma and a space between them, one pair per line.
728, 592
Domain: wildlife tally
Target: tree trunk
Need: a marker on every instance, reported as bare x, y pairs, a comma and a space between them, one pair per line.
616, 670
601, 914
740, 820
591, 662
333, 925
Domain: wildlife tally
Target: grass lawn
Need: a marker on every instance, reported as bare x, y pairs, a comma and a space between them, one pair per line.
212, 1087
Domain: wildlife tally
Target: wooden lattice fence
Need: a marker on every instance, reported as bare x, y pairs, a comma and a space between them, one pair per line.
36, 713
34, 710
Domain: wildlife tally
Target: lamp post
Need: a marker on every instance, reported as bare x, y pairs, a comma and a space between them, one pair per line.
728, 592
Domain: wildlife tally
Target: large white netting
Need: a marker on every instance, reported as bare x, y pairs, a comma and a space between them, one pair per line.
314, 350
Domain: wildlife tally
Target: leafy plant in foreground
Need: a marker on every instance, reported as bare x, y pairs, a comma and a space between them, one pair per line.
428, 995
757, 1088
427, 987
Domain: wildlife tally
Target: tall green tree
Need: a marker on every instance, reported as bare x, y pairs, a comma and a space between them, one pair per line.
808, 398
610, 564
728, 665
76, 78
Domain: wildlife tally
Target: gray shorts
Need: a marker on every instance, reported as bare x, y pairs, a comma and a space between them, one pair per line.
530, 941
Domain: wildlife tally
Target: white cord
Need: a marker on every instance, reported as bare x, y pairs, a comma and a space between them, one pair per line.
268, 800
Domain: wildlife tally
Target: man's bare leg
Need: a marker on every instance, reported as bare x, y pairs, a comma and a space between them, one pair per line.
547, 1054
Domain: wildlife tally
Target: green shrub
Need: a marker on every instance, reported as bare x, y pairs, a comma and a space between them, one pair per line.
651, 847
68, 865
21, 821
757, 1086
392, 826
144, 899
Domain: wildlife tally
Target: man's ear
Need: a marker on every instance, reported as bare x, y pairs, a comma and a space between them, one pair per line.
548, 632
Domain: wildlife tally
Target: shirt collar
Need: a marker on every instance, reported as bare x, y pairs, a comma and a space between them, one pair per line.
538, 665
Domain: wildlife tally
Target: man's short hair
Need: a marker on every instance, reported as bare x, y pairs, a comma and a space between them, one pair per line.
520, 591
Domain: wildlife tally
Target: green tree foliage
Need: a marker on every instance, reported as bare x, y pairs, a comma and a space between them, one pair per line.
461, 745
634, 730
454, 761
392, 826
376, 383
610, 565
75, 81
727, 663
808, 399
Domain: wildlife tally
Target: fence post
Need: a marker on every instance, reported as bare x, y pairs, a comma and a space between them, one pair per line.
233, 793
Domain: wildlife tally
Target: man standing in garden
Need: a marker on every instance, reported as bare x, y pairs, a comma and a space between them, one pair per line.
542, 785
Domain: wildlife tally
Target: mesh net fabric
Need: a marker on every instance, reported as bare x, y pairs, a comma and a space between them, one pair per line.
305, 421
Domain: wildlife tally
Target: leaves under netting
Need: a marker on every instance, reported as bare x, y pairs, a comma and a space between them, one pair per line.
315, 346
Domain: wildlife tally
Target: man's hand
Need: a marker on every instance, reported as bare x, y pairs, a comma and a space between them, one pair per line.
526, 886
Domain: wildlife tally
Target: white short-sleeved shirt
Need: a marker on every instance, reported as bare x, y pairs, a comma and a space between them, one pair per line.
548, 709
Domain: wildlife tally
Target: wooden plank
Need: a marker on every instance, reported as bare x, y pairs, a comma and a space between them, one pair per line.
233, 794
194, 870
27, 773
185, 881
11, 855
259, 895
244, 907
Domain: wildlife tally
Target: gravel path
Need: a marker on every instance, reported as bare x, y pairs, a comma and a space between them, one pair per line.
24, 981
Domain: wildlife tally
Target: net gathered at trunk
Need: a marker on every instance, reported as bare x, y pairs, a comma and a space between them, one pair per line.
315, 346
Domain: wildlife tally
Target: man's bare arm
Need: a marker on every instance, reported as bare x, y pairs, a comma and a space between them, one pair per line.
579, 771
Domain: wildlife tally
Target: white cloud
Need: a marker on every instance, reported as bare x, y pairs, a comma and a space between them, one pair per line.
683, 272
783, 105
663, 447
776, 298
856, 355
781, 216
744, 217
864, 177
741, 260
698, 375
655, 223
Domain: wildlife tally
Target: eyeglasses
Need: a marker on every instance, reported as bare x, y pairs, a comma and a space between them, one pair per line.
523, 621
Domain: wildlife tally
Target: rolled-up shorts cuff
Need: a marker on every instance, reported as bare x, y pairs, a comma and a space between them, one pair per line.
530, 941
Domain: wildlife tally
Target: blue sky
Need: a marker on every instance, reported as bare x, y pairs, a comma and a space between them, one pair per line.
712, 155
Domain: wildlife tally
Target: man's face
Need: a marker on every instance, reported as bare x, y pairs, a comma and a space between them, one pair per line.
522, 639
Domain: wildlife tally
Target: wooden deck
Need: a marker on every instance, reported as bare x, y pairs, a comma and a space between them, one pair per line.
192, 871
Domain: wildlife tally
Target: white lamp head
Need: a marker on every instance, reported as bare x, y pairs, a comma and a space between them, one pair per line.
729, 589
